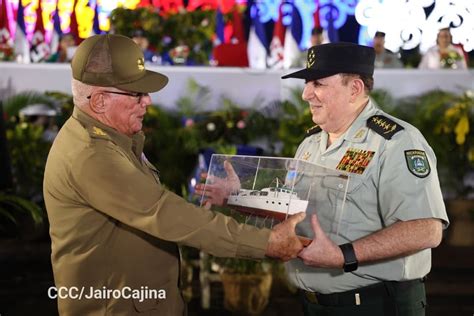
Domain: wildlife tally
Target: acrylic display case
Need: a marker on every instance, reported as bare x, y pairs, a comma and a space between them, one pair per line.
274, 188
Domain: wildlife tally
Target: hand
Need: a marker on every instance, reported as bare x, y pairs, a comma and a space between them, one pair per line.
217, 190
283, 242
322, 252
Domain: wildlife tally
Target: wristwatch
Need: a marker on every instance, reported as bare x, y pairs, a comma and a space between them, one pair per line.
350, 260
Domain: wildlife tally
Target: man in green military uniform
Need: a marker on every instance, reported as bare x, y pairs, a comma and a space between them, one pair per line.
374, 260
114, 228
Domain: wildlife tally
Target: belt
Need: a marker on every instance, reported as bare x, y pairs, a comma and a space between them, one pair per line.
363, 295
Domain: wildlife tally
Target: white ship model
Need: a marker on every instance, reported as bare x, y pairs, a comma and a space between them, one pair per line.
277, 202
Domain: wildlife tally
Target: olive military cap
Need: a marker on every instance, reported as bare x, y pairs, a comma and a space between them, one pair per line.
114, 61
335, 58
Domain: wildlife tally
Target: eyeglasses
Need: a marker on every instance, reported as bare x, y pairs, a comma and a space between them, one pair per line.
137, 95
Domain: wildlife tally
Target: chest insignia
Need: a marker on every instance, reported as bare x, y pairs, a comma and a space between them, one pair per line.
355, 160
383, 126
417, 163
360, 134
306, 155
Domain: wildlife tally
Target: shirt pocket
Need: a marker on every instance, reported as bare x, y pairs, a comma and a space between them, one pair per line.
327, 193
327, 197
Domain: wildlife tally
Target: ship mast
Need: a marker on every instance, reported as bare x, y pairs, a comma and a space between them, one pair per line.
256, 172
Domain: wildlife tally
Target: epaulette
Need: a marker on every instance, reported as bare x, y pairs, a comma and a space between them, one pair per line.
97, 132
313, 130
383, 126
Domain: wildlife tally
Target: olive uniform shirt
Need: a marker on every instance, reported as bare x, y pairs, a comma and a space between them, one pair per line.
113, 225
378, 151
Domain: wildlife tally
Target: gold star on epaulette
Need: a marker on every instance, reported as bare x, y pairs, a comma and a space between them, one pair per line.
311, 59
383, 126
98, 131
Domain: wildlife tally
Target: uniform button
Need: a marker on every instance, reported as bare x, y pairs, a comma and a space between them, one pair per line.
323, 158
340, 186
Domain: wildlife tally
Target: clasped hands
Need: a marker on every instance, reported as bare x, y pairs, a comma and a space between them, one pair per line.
283, 242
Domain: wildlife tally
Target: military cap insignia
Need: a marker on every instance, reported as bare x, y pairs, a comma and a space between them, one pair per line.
355, 160
383, 126
98, 131
313, 130
417, 163
140, 64
311, 59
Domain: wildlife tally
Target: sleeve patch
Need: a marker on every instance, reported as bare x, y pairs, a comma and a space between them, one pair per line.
383, 126
417, 163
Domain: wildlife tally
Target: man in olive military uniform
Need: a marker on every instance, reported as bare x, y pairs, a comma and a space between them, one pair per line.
114, 228
375, 260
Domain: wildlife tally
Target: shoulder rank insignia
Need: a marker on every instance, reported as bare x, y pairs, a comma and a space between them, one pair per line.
97, 131
383, 126
417, 163
313, 130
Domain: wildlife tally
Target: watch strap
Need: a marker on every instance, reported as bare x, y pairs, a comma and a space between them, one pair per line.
350, 260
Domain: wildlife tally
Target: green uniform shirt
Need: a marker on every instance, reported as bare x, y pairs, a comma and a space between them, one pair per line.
381, 190
113, 225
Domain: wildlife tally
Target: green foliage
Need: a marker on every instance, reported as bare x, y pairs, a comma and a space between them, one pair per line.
165, 32
11, 205
295, 119
14, 104
65, 103
28, 153
165, 149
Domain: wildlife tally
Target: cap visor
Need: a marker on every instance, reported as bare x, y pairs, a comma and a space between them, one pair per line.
309, 74
150, 82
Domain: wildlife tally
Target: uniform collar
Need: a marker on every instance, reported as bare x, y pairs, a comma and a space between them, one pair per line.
356, 133
134, 143
358, 130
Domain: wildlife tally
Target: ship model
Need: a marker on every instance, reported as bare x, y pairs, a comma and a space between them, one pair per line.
277, 202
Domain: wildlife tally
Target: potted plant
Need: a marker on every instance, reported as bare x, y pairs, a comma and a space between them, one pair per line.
246, 283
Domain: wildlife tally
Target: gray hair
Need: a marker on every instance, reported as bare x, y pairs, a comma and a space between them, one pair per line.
80, 92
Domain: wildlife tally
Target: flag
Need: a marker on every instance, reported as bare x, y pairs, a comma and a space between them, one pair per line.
333, 33
219, 31
22, 46
276, 46
293, 34
57, 32
238, 35
96, 26
5, 38
74, 26
39, 49
257, 44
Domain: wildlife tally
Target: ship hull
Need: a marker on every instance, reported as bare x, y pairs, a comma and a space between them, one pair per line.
267, 207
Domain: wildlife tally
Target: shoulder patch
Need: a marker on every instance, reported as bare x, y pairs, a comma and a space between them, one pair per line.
313, 130
417, 163
383, 126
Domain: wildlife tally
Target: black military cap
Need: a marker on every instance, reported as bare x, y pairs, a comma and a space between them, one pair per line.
334, 58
